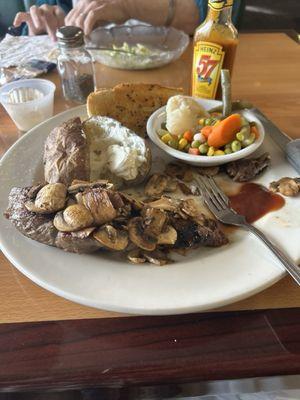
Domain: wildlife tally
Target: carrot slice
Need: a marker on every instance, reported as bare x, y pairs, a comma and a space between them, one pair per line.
194, 151
206, 130
188, 135
255, 131
225, 131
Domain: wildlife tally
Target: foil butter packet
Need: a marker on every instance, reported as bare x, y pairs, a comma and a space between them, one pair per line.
29, 70
24, 57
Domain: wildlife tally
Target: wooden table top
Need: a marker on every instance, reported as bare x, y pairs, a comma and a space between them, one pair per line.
266, 73
113, 352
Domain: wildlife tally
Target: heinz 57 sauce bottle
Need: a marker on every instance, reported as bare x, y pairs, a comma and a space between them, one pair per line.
215, 43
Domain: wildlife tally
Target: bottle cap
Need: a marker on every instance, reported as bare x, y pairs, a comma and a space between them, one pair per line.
70, 36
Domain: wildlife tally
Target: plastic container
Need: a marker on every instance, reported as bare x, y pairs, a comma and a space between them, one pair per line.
27, 114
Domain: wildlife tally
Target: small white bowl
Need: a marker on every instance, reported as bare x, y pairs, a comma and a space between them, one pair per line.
159, 116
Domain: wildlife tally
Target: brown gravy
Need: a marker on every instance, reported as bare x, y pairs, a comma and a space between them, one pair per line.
254, 201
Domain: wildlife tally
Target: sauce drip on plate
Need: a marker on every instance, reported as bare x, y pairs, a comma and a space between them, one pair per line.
254, 201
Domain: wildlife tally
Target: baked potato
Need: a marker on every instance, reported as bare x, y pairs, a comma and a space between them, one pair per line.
98, 148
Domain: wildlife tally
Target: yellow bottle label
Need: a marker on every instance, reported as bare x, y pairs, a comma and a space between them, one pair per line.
219, 4
207, 65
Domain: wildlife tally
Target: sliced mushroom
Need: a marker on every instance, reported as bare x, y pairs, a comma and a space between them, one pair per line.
286, 186
98, 202
49, 199
138, 236
160, 183
111, 238
73, 218
83, 233
135, 203
157, 257
176, 170
167, 236
136, 257
156, 185
164, 203
154, 220
190, 207
79, 186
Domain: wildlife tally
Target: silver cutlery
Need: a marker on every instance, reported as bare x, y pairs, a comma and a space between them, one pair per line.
218, 203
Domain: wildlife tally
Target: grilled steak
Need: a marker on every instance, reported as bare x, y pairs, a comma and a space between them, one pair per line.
191, 234
76, 242
246, 169
35, 226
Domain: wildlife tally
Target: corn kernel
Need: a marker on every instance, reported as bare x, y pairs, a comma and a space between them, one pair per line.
211, 151
219, 153
165, 138
182, 143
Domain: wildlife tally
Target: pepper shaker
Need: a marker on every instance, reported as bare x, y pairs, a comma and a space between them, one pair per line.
74, 64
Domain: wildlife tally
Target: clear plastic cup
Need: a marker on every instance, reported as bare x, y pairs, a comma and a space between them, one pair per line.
29, 113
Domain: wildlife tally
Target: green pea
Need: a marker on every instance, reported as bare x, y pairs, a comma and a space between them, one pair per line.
249, 141
203, 148
195, 144
173, 143
228, 146
228, 150
240, 136
162, 132
209, 121
245, 130
243, 121
236, 146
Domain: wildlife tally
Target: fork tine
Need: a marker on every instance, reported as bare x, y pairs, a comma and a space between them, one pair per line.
218, 191
213, 195
209, 197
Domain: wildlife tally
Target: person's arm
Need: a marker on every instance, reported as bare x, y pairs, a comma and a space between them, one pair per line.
88, 14
186, 13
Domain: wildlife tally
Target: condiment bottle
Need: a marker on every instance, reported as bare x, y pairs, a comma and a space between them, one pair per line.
74, 64
215, 43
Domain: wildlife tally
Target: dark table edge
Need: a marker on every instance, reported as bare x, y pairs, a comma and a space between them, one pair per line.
149, 351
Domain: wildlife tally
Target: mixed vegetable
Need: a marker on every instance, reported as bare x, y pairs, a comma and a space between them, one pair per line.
214, 136
217, 133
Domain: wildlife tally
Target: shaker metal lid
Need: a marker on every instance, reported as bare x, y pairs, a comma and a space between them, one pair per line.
70, 36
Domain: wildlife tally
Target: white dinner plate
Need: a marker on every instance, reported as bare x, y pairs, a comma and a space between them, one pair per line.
204, 279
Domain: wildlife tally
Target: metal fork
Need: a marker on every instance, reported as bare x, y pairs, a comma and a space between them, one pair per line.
218, 203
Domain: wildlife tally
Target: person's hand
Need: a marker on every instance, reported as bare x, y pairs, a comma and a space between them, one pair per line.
88, 14
43, 19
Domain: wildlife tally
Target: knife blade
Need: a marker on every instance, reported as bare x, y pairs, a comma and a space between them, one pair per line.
291, 148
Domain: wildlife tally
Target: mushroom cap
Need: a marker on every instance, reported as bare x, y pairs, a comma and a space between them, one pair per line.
97, 200
73, 218
49, 199
112, 238
136, 257
138, 236
79, 186
167, 236
286, 186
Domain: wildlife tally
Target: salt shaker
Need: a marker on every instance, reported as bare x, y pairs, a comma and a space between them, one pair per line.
74, 64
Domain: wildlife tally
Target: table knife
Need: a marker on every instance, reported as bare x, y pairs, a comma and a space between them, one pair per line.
291, 148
